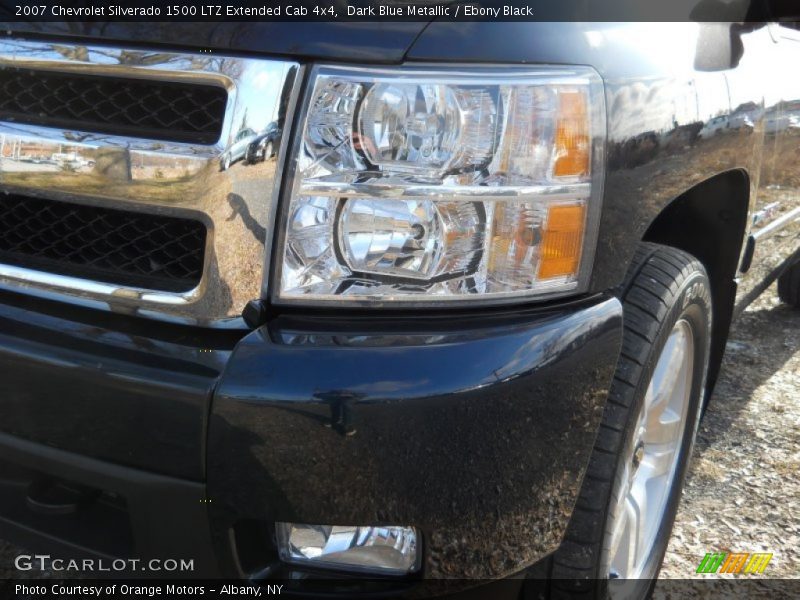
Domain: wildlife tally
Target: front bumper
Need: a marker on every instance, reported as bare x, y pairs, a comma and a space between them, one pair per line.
475, 429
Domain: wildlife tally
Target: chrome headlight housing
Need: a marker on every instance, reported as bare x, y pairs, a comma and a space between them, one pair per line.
430, 186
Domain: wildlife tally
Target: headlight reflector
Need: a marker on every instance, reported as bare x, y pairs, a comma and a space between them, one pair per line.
426, 127
432, 186
409, 238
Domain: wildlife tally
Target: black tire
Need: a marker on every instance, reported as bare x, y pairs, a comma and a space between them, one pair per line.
789, 286
267, 151
663, 286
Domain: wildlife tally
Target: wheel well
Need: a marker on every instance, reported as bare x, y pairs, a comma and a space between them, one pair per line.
709, 221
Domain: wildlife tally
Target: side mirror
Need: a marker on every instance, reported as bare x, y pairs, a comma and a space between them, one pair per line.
722, 22
719, 47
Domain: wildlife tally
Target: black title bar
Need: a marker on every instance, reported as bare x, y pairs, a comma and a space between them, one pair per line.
397, 10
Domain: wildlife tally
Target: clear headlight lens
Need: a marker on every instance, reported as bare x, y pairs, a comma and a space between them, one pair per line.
426, 127
412, 185
410, 238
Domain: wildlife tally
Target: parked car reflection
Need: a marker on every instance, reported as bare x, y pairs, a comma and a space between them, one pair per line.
265, 144
237, 149
776, 122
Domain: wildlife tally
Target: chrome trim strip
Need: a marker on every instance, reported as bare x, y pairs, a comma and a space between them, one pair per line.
388, 188
85, 286
215, 183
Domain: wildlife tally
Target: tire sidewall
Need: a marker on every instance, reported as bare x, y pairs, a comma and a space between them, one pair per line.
692, 302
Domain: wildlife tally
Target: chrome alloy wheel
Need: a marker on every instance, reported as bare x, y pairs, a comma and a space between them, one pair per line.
648, 476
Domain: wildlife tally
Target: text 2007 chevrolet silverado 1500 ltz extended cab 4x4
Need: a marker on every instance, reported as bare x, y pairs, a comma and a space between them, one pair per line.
459, 320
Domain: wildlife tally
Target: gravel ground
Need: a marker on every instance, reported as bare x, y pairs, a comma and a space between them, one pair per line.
743, 490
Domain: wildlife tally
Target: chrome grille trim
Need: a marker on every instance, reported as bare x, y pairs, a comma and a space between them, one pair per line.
178, 179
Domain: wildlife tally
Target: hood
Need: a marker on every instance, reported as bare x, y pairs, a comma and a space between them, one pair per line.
385, 42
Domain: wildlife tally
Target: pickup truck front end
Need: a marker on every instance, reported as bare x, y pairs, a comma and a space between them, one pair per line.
378, 390
342, 300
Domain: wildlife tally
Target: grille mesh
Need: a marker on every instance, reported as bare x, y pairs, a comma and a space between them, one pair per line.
134, 107
114, 246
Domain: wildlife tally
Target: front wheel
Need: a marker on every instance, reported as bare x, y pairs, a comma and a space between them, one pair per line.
623, 518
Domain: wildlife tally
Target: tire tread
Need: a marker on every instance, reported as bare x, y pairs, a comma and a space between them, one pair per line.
648, 292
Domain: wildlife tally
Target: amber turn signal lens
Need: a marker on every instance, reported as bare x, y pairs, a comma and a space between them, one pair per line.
572, 136
562, 241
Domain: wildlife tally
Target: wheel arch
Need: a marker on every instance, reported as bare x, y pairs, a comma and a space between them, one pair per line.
709, 221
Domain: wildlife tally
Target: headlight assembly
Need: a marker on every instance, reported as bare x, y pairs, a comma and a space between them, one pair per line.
434, 186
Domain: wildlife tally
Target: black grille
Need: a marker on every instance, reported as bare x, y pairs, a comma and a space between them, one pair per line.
141, 108
102, 244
